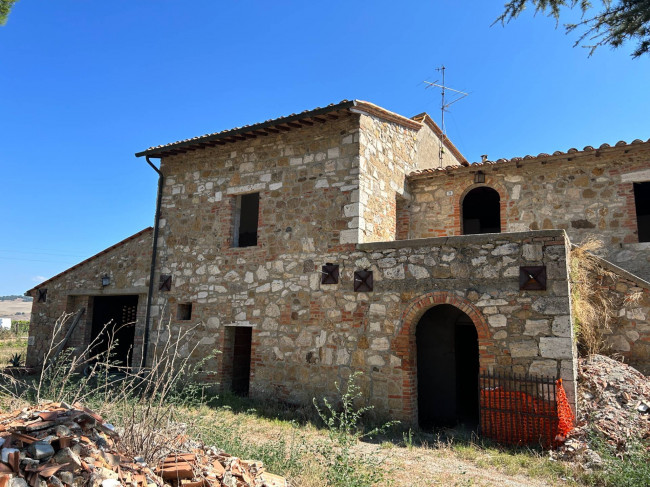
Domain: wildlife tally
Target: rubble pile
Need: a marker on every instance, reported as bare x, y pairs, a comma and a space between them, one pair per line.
614, 403
57, 445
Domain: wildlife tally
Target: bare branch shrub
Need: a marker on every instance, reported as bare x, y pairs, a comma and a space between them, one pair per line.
71, 374
144, 401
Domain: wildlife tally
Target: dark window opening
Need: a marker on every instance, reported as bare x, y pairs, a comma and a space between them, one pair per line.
246, 220
481, 211
447, 369
113, 327
184, 311
241, 360
642, 204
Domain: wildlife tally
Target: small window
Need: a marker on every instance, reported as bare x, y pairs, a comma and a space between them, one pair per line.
246, 219
642, 204
184, 311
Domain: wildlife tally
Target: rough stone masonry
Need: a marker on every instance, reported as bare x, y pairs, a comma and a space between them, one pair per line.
379, 198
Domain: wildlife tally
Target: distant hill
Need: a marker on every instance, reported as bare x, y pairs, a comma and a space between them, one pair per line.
15, 307
16, 297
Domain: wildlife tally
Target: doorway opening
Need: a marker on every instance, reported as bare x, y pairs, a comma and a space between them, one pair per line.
113, 322
240, 339
447, 369
481, 211
642, 204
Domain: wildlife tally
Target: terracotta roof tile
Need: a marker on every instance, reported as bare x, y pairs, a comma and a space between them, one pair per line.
540, 156
193, 141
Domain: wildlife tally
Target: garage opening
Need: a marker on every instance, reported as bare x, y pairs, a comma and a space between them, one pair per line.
447, 369
481, 211
241, 339
642, 204
115, 315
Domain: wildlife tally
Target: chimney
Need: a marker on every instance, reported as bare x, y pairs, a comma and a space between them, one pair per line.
484, 158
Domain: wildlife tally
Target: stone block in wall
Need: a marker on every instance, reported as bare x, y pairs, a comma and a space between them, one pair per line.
562, 326
551, 305
546, 368
555, 347
536, 327
524, 349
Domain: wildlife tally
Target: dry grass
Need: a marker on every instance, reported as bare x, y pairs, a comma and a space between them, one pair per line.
293, 451
594, 307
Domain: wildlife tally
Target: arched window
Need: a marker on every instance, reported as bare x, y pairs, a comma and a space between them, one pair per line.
481, 211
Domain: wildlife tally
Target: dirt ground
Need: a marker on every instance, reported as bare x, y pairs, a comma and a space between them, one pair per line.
419, 466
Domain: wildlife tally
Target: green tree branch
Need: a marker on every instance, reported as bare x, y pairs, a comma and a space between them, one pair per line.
618, 22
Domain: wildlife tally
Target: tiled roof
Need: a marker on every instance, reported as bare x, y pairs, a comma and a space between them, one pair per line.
539, 157
277, 125
84, 262
237, 133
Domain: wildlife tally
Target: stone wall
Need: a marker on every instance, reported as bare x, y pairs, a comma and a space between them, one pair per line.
126, 263
388, 153
588, 193
633, 257
307, 335
390, 150
629, 336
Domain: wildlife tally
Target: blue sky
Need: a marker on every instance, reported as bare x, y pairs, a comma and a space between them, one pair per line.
86, 84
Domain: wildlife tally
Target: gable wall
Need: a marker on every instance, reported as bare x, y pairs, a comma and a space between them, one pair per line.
128, 267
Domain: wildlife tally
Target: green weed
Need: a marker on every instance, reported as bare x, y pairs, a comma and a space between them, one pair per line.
345, 467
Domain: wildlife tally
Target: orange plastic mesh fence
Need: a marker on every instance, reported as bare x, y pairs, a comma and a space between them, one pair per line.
566, 419
519, 418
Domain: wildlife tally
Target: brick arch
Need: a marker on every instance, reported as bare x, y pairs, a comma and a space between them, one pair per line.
491, 183
404, 344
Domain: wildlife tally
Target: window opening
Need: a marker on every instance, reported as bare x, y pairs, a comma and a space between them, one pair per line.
642, 204
184, 311
246, 220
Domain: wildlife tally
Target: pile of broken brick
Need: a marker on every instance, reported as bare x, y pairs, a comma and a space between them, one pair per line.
57, 445
614, 405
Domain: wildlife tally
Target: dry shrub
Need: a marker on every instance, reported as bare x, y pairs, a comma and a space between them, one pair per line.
595, 307
149, 403
144, 402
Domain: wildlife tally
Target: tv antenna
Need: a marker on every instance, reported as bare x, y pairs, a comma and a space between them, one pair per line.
444, 106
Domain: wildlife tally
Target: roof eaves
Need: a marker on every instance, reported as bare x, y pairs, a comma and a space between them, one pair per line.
84, 262
195, 142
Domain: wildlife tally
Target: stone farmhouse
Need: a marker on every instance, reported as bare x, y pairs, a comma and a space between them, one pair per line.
351, 238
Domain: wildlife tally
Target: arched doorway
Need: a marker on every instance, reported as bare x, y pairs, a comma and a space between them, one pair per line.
447, 368
481, 211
